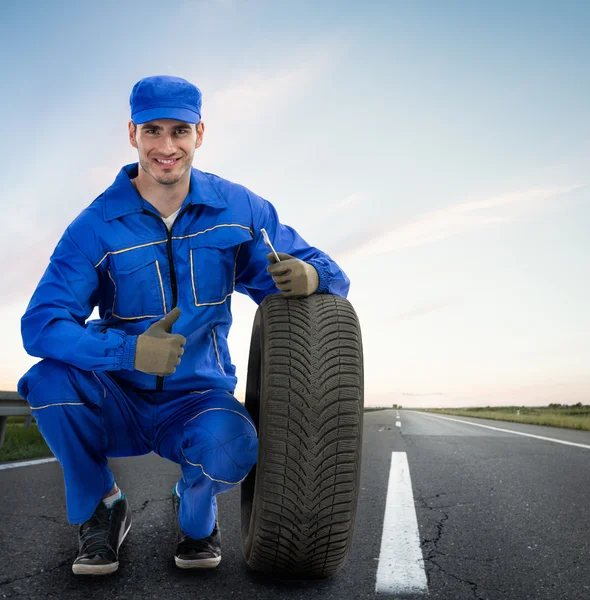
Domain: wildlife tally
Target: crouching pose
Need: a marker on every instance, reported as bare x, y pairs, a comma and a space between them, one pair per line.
160, 252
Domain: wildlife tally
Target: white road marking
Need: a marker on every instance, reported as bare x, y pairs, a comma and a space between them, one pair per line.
398, 423
539, 437
401, 564
26, 463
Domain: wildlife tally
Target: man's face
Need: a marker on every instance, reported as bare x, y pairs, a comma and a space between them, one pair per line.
162, 140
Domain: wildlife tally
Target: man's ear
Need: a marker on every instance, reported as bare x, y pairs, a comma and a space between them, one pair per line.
132, 134
200, 133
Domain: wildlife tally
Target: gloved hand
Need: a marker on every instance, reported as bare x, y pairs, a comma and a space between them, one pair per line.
293, 276
158, 351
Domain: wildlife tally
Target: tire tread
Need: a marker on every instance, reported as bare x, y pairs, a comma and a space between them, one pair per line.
313, 388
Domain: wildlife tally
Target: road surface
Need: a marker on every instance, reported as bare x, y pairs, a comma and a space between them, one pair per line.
450, 509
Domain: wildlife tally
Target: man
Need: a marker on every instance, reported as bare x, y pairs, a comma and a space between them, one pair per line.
160, 252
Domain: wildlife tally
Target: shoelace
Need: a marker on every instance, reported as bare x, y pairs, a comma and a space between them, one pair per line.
97, 534
203, 543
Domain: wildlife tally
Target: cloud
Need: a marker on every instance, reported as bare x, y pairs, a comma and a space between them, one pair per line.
345, 204
421, 310
439, 224
233, 113
255, 94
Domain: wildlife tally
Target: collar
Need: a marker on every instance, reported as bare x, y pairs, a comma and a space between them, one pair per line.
121, 198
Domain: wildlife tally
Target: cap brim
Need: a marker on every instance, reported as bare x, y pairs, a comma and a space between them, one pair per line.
179, 114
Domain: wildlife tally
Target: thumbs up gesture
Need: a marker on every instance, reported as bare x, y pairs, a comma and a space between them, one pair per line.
158, 351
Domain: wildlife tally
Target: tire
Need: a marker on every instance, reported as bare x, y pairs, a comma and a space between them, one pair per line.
304, 391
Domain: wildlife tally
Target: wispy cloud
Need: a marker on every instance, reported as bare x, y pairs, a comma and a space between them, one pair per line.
439, 224
256, 94
421, 310
234, 111
346, 204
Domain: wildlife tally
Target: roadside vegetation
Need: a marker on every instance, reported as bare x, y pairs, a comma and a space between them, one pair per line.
575, 416
23, 442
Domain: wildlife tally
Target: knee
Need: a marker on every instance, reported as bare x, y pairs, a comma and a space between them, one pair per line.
222, 444
42, 376
52, 382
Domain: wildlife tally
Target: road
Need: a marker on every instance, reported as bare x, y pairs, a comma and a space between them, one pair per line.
500, 516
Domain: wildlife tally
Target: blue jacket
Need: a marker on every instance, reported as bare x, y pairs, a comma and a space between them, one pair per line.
118, 254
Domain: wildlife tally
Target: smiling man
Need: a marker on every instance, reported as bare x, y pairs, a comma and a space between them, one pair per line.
164, 247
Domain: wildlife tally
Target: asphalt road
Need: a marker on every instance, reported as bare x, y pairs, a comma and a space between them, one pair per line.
500, 517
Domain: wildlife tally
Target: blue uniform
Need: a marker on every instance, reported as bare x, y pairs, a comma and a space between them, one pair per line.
118, 254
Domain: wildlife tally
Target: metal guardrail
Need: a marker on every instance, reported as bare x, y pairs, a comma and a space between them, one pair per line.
12, 405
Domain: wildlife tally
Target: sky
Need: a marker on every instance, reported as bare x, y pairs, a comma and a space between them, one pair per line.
439, 152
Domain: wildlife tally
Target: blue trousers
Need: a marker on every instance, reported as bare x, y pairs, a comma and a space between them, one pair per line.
87, 417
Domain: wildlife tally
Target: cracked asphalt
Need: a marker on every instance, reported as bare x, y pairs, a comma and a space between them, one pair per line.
500, 517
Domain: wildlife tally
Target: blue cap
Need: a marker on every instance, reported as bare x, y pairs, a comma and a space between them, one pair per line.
165, 97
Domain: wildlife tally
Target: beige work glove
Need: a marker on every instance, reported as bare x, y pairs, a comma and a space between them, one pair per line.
158, 351
293, 276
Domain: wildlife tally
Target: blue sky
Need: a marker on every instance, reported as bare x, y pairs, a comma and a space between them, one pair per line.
438, 151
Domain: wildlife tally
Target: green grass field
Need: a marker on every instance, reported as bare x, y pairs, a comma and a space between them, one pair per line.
21, 442
569, 417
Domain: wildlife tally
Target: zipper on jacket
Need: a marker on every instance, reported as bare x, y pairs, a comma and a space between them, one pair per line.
160, 379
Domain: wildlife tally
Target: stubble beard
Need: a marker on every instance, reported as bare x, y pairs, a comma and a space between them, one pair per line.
167, 178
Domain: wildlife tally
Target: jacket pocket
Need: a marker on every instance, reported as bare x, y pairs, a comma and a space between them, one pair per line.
138, 285
213, 257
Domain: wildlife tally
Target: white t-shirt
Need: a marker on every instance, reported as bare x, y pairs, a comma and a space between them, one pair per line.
169, 220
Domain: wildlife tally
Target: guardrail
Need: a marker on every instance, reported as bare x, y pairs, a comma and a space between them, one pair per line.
12, 405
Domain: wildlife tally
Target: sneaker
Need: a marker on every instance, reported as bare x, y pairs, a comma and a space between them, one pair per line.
204, 553
101, 537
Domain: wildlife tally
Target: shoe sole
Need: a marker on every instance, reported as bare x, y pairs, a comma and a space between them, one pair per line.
82, 569
203, 563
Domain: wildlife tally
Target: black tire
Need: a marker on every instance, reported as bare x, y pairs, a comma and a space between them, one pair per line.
304, 391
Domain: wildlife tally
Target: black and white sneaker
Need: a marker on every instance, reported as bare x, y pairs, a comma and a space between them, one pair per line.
101, 537
204, 553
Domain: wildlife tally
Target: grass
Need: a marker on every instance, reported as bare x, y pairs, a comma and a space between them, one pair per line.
21, 442
568, 417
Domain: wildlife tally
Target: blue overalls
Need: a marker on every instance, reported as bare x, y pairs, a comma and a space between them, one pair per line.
89, 402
